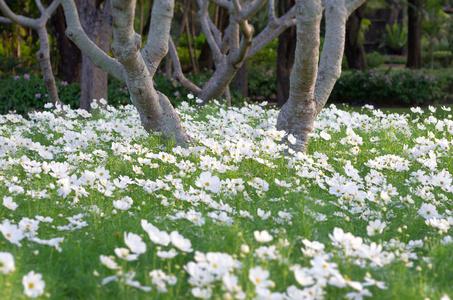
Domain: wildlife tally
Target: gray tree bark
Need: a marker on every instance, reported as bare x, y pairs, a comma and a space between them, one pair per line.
310, 85
155, 110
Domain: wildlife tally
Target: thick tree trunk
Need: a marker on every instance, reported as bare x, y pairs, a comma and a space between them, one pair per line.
155, 110
354, 50
298, 114
70, 56
43, 56
414, 23
285, 55
96, 22
310, 87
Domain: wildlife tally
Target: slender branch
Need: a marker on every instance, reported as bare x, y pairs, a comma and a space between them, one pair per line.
251, 9
224, 3
271, 12
332, 52
238, 57
40, 6
352, 5
272, 31
76, 34
177, 70
158, 35
203, 14
19, 19
5, 20
52, 8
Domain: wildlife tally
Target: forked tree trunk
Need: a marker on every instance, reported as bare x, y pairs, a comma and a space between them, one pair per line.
310, 87
298, 114
155, 110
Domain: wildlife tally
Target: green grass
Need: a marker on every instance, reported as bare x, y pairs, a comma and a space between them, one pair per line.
76, 271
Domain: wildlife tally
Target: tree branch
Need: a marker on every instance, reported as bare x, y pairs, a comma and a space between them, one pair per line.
352, 5
158, 34
272, 31
19, 19
332, 51
203, 14
251, 9
40, 6
5, 20
177, 70
76, 34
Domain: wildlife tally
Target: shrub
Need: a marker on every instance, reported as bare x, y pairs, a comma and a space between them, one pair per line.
392, 87
374, 59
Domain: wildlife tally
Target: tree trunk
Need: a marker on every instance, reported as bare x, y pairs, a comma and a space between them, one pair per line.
414, 23
96, 22
298, 114
70, 57
155, 110
46, 67
310, 84
241, 80
285, 55
354, 50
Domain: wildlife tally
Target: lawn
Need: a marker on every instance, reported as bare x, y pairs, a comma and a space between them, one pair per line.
98, 209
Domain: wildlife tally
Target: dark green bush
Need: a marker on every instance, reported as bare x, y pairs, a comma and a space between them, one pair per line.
374, 59
392, 87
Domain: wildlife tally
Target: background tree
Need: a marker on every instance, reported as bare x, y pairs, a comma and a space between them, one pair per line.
232, 48
39, 25
354, 50
285, 54
70, 58
414, 34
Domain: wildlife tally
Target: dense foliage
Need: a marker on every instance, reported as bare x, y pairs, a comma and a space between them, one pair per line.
385, 87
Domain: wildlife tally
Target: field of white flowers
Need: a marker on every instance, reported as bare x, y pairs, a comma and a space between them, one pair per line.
91, 207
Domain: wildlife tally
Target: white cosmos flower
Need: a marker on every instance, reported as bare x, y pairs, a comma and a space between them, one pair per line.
260, 278
6, 263
125, 254
9, 203
123, 204
180, 242
262, 236
208, 182
292, 139
428, 211
375, 227
303, 276
167, 254
33, 284
324, 135
135, 243
156, 236
109, 262
12, 232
